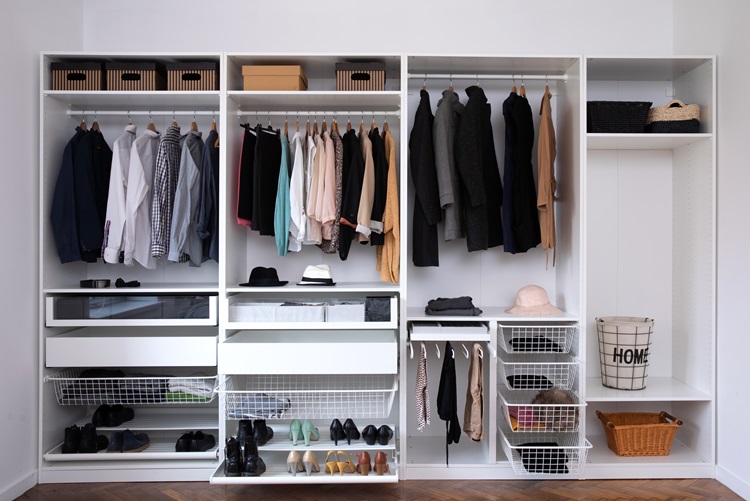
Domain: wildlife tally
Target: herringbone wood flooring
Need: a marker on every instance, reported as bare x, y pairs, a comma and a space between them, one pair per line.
464, 490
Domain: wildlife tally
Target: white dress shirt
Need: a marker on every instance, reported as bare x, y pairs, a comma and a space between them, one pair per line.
118, 185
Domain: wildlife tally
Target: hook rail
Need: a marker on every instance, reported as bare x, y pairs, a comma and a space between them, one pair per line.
484, 76
141, 113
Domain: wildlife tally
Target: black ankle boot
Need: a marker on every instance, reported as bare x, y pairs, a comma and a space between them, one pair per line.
72, 439
244, 430
232, 461
253, 465
262, 433
90, 442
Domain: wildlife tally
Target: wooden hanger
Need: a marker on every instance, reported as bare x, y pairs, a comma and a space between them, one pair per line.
324, 127
193, 127
307, 132
315, 128
296, 125
450, 87
348, 124
373, 125
286, 129
362, 126
83, 125
95, 126
213, 125
334, 125
151, 127
385, 125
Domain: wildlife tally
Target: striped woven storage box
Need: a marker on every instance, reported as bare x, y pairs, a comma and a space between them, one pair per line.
193, 76
135, 76
674, 118
77, 76
360, 76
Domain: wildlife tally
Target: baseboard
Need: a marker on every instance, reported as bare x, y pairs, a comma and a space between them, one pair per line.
16, 490
738, 485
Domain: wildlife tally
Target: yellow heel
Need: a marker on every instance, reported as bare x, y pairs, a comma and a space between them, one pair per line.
331, 465
345, 466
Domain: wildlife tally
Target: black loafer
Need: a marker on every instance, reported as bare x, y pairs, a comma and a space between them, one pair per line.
184, 443
202, 442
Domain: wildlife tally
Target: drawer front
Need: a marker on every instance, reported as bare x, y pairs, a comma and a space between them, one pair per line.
259, 353
158, 351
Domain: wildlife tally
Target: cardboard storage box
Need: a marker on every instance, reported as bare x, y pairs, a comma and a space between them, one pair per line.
135, 76
274, 78
193, 76
360, 76
77, 76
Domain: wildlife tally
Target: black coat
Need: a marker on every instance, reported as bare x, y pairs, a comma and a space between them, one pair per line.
480, 177
265, 178
91, 170
509, 173
381, 184
246, 174
525, 220
353, 171
447, 398
427, 210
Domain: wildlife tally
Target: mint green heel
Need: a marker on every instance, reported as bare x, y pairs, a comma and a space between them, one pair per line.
309, 432
295, 430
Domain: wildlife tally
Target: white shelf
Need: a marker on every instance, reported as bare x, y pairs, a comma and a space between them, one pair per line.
252, 101
642, 68
280, 475
160, 100
430, 449
164, 419
282, 442
416, 313
146, 288
658, 389
160, 448
642, 141
291, 288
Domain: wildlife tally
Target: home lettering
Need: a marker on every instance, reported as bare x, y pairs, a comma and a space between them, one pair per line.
630, 356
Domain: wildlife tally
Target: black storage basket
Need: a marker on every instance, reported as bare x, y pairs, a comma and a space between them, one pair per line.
617, 116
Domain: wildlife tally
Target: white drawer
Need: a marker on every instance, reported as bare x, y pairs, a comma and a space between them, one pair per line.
309, 352
143, 347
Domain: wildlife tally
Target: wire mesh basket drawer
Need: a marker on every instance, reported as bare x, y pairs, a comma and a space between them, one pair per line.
556, 338
524, 417
639, 433
540, 454
73, 387
526, 372
306, 396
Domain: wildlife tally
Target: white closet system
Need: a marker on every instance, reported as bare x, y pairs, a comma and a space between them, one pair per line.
635, 219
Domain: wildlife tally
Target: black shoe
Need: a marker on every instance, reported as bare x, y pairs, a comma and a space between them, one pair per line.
385, 434
262, 433
201, 442
337, 431
72, 440
370, 434
253, 465
100, 415
117, 415
134, 442
115, 442
90, 442
244, 430
232, 461
351, 431
184, 442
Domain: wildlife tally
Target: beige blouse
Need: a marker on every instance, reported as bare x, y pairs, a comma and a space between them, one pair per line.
546, 152
389, 254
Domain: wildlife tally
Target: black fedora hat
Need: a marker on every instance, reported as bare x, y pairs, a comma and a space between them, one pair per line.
264, 277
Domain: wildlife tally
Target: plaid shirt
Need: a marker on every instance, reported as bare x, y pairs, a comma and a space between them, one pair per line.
164, 187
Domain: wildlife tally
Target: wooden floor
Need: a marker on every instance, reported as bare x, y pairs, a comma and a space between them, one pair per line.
464, 490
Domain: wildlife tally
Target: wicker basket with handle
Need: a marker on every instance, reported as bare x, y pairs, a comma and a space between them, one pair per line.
639, 433
675, 117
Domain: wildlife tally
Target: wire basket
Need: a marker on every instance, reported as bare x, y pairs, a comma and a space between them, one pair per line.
524, 417
624, 344
639, 433
617, 116
526, 372
537, 338
538, 454
308, 396
71, 389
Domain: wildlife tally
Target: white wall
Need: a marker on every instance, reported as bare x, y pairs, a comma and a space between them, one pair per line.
24, 32
720, 27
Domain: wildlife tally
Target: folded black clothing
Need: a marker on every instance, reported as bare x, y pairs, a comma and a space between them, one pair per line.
450, 303
535, 343
101, 373
458, 312
539, 457
528, 382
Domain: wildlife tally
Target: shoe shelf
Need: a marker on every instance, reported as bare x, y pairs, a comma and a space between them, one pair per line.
308, 396
536, 338
528, 372
531, 455
282, 442
71, 389
160, 448
167, 419
523, 417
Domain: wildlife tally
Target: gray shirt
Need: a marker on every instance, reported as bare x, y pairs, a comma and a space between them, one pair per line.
183, 236
443, 136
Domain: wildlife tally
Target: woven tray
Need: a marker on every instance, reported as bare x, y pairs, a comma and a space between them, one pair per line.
639, 433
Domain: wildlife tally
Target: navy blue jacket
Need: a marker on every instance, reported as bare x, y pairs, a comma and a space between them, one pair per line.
63, 212
208, 215
91, 170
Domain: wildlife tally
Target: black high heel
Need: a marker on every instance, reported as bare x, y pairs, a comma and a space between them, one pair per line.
337, 431
370, 434
351, 431
385, 434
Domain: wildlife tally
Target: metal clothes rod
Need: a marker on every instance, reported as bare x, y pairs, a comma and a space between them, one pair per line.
337, 113
479, 76
141, 113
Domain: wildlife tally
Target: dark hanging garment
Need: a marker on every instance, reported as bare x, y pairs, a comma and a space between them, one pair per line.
447, 399
477, 167
208, 205
92, 166
427, 210
63, 214
245, 177
509, 173
265, 179
381, 184
352, 176
526, 232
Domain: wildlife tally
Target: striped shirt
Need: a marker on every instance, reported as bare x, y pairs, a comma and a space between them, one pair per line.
164, 187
